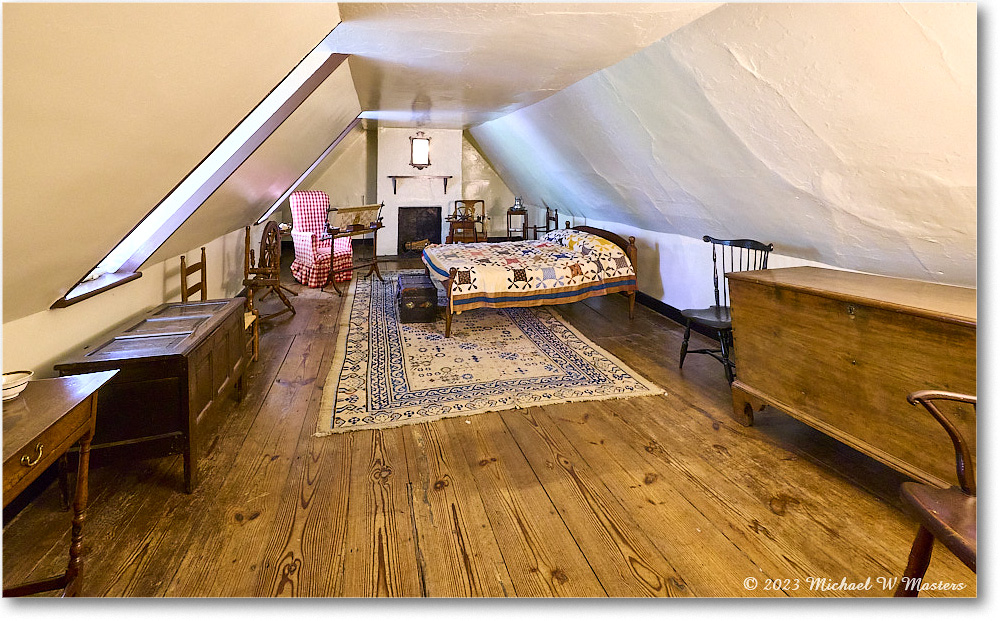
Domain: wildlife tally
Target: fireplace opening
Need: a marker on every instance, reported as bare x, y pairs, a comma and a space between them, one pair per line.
418, 226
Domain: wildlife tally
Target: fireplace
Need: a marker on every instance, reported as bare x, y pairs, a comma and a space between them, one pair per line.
416, 224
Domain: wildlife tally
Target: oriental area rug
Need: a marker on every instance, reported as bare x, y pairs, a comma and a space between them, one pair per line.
386, 373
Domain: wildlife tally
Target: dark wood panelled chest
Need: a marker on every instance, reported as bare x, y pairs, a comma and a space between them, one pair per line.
178, 363
840, 351
417, 299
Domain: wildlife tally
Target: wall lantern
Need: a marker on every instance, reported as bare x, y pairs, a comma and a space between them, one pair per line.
420, 151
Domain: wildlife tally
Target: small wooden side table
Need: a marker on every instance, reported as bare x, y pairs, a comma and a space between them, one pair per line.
521, 230
39, 426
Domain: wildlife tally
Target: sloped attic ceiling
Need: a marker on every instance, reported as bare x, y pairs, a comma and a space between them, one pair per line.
108, 106
843, 133
453, 65
262, 179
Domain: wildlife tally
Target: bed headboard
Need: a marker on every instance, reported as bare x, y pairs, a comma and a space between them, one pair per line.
627, 246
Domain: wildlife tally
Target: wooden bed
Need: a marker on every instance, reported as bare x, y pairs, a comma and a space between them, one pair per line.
564, 266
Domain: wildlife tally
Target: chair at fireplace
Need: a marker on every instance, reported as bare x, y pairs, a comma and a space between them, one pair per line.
466, 225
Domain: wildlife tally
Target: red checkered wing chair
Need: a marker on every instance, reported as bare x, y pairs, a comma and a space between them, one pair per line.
343, 259
309, 234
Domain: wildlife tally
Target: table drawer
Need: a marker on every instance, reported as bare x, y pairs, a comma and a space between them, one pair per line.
24, 466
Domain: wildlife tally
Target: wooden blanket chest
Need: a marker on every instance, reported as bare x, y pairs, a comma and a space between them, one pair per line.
178, 363
842, 350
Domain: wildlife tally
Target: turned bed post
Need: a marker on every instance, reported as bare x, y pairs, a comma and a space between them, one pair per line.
632, 253
451, 306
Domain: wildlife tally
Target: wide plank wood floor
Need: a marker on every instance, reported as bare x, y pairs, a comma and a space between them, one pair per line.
661, 496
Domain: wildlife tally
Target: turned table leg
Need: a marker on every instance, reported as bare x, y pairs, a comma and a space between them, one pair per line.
916, 566
75, 568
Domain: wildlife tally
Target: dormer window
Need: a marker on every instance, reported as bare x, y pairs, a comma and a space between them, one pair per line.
122, 264
420, 151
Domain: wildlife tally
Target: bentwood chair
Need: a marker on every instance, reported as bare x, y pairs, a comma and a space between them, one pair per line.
187, 271
728, 255
948, 515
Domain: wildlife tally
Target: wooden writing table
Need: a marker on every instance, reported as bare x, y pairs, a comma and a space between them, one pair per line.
39, 426
372, 266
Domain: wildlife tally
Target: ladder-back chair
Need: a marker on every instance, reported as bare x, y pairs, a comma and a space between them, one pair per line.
948, 515
551, 223
728, 255
187, 271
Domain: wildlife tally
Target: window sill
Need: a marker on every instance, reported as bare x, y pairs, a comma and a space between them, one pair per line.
89, 289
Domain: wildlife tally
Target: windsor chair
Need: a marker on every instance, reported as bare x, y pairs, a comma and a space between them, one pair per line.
743, 254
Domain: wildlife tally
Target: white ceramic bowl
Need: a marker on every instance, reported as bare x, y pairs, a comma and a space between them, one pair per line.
14, 382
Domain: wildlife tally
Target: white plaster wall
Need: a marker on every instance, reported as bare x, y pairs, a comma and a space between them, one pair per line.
677, 269
342, 176
394, 159
274, 166
844, 133
107, 106
343, 179
38, 341
479, 180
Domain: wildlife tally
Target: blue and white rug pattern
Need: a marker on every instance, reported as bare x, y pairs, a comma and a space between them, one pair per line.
388, 373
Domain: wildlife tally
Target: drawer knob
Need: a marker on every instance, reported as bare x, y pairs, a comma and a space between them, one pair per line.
28, 461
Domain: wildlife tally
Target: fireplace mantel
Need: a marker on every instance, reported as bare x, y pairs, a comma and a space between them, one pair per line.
444, 178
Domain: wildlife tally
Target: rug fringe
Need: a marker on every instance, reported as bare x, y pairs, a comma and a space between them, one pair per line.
329, 399
411, 421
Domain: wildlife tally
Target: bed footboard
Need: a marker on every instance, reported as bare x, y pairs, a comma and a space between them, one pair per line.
628, 247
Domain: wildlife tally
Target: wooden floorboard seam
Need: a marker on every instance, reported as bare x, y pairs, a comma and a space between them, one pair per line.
561, 517
421, 561
604, 513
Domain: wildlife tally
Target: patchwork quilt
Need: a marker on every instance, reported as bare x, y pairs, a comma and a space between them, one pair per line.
564, 266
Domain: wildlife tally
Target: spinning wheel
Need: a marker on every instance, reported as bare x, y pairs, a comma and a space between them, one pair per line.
466, 226
268, 271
